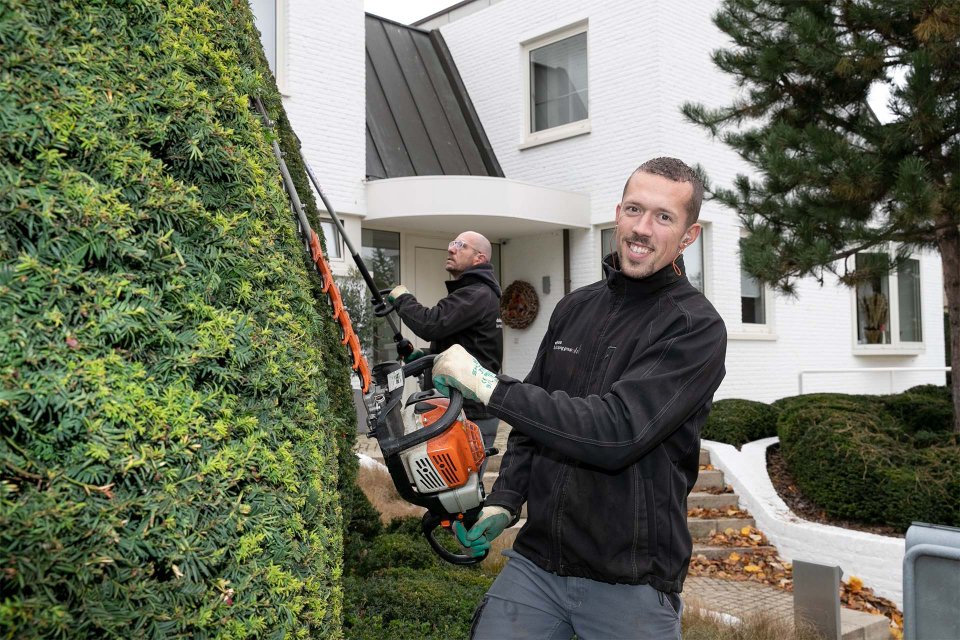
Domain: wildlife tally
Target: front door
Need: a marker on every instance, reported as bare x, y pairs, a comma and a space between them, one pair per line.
426, 256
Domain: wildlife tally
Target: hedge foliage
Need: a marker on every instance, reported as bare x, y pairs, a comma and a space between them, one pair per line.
398, 588
856, 458
175, 413
738, 422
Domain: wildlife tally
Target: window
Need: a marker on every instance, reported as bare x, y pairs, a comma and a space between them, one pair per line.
495, 259
331, 238
888, 306
555, 75
381, 254
269, 16
752, 300
692, 255
756, 306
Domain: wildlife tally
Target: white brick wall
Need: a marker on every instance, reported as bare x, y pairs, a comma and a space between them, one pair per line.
325, 95
645, 59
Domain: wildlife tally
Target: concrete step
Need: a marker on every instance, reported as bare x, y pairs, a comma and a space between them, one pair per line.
709, 479
703, 500
703, 528
704, 456
860, 625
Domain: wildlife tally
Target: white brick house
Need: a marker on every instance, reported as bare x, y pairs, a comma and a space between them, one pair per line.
631, 64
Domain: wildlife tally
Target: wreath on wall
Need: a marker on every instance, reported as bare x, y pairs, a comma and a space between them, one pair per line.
519, 305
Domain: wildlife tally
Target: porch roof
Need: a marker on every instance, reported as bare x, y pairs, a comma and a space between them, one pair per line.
420, 120
499, 208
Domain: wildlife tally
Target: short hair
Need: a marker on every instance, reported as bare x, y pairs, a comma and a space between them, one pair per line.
678, 171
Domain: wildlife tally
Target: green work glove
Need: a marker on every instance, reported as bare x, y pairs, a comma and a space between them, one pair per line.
416, 355
490, 524
457, 368
396, 292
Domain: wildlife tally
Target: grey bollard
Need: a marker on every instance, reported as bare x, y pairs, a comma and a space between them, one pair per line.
931, 582
816, 597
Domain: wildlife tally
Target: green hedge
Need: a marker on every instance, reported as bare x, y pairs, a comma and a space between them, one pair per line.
738, 422
925, 413
399, 589
175, 414
852, 457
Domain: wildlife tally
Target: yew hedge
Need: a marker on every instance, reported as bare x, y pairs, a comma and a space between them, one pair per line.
856, 458
175, 413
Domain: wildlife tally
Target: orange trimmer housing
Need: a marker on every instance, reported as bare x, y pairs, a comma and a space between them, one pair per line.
456, 453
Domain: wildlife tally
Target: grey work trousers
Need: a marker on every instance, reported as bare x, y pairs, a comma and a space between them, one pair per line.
527, 602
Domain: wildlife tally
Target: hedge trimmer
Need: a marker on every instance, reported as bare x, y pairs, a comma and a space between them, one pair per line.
433, 453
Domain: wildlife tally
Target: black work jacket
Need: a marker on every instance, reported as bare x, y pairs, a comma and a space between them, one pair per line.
468, 316
606, 429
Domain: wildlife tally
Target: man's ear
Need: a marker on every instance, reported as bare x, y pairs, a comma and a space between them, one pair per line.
616, 218
690, 235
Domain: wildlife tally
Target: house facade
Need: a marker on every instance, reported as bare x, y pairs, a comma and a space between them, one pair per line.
567, 98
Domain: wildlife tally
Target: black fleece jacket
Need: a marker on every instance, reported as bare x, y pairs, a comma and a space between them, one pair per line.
468, 316
606, 429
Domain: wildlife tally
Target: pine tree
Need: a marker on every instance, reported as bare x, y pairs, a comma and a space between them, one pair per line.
833, 180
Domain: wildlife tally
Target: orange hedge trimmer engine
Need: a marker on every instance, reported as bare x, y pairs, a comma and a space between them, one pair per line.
433, 453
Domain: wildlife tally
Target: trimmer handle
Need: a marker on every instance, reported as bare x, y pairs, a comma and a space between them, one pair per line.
382, 307
429, 525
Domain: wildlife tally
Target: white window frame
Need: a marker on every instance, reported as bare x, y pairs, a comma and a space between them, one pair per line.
280, 38
338, 238
751, 330
564, 131
896, 346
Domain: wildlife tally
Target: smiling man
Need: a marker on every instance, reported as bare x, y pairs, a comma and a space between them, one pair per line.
606, 435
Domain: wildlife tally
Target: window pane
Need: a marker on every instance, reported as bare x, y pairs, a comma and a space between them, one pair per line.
495, 260
331, 237
381, 253
908, 292
558, 83
752, 300
873, 301
607, 241
693, 262
752, 296
265, 19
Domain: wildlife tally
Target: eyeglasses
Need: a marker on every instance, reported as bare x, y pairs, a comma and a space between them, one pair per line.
456, 245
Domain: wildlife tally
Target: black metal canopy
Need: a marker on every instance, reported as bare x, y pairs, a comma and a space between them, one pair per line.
420, 120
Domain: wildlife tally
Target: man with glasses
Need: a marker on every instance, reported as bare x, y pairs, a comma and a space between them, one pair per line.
468, 316
606, 435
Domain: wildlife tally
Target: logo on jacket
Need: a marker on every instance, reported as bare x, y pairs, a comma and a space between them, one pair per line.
558, 346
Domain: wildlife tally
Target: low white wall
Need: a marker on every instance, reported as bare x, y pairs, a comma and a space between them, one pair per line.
875, 559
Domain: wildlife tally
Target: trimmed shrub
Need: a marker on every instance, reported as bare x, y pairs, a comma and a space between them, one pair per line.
398, 588
411, 604
852, 458
738, 422
175, 410
925, 412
